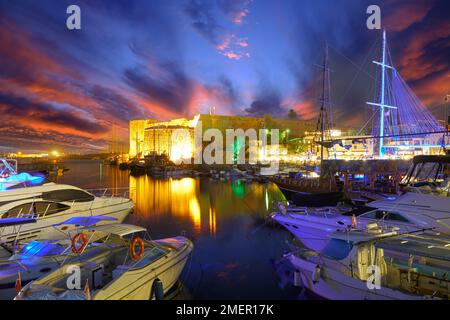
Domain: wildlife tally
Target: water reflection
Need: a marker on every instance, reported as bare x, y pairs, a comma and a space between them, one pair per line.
178, 198
233, 247
197, 203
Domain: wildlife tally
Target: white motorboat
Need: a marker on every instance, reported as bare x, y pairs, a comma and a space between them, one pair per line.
114, 270
376, 264
408, 212
52, 203
36, 258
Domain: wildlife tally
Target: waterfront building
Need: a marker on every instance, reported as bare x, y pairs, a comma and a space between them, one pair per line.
348, 146
149, 136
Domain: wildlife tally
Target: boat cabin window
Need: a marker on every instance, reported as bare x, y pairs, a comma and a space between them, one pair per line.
385, 215
68, 195
42, 249
337, 249
36, 207
49, 208
18, 210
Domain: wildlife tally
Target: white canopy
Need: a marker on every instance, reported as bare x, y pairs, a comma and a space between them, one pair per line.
117, 229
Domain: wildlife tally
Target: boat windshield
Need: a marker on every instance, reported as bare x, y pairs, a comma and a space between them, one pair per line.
426, 172
42, 249
337, 249
385, 215
150, 255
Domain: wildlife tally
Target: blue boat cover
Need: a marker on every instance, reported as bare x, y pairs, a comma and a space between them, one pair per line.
21, 178
15, 221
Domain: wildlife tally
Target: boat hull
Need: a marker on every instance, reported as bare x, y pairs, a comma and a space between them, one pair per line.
138, 284
43, 229
334, 285
8, 279
313, 232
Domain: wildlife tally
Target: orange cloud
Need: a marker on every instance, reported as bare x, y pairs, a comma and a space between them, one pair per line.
305, 109
405, 13
433, 90
414, 63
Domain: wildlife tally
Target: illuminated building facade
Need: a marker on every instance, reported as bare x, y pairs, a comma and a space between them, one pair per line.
347, 148
350, 147
149, 137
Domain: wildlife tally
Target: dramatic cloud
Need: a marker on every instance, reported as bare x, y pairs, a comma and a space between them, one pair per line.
401, 14
171, 90
236, 10
268, 101
163, 59
423, 54
233, 48
205, 20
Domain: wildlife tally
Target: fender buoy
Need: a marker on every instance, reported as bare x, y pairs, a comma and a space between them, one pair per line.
75, 239
136, 256
316, 274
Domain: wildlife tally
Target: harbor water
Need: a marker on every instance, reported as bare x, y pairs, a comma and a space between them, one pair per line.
235, 250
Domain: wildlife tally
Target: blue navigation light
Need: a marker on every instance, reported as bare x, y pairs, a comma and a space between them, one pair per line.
392, 198
42, 249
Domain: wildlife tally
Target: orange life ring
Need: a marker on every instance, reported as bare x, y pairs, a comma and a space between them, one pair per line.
75, 239
136, 256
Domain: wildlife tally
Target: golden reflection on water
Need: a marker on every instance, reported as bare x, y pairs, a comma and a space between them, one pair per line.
212, 222
177, 197
204, 203
199, 205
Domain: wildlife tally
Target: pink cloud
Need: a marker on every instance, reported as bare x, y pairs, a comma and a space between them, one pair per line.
240, 16
233, 47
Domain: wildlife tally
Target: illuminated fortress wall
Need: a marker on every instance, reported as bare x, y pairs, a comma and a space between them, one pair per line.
297, 128
160, 138
148, 136
137, 131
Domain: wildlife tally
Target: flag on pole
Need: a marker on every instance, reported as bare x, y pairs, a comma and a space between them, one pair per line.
354, 222
18, 283
87, 291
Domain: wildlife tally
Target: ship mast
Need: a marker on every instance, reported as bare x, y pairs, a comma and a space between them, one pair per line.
323, 119
382, 95
382, 100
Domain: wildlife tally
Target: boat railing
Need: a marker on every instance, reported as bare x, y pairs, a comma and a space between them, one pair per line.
112, 194
124, 192
8, 166
285, 208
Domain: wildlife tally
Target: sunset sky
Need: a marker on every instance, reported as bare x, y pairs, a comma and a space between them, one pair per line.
65, 89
